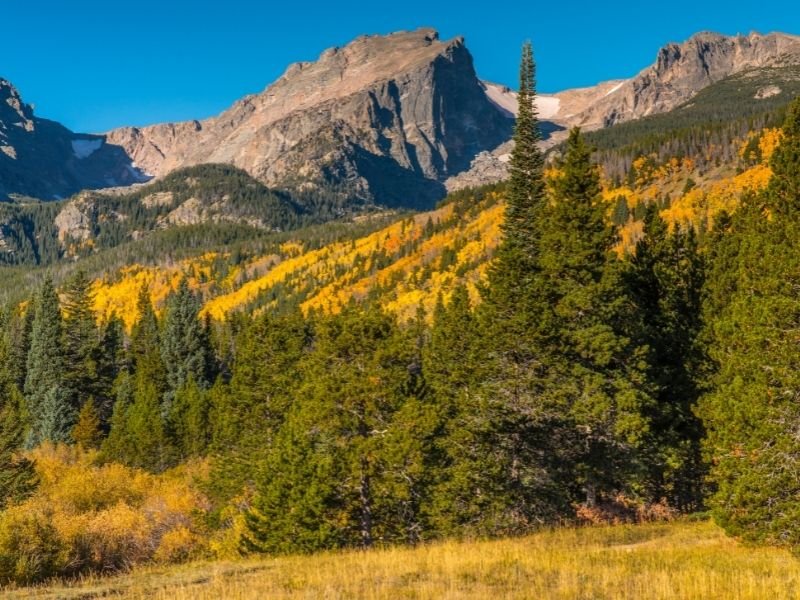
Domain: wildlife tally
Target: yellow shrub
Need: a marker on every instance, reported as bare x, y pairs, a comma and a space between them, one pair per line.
30, 548
90, 517
177, 545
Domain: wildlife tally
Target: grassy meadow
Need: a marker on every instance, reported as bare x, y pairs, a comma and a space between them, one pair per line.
684, 560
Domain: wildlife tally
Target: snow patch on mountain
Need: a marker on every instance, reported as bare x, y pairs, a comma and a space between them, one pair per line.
506, 100
548, 106
85, 148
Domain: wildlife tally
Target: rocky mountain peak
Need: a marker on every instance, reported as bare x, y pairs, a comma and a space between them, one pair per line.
386, 117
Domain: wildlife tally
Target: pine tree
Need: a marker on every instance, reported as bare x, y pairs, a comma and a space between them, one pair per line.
595, 370
110, 362
665, 276
333, 459
80, 340
49, 400
246, 415
17, 477
508, 305
117, 445
450, 363
56, 417
184, 344
86, 432
18, 335
502, 480
190, 419
526, 185
145, 345
149, 445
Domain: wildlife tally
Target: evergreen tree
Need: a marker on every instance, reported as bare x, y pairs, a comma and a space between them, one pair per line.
149, 445
247, 414
145, 335
332, 459
525, 184
190, 419
18, 336
145, 345
595, 371
502, 480
86, 432
17, 478
80, 340
117, 445
184, 344
56, 417
751, 412
110, 361
666, 277
48, 397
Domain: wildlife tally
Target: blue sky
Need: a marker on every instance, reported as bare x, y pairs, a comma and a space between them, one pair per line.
94, 65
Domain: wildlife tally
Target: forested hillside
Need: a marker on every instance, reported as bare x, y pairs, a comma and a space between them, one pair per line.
413, 261
561, 348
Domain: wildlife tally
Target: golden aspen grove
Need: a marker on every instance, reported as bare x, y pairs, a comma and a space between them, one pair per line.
409, 266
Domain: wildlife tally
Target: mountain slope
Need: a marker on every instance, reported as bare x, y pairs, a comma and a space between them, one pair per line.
386, 118
44, 159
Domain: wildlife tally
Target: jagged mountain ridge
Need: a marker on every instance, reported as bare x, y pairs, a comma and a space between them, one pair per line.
389, 117
384, 120
680, 71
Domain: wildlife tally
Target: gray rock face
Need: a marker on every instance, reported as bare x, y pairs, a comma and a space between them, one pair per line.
388, 117
682, 70
43, 159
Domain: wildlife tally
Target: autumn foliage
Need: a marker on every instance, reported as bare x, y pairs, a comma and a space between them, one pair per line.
91, 517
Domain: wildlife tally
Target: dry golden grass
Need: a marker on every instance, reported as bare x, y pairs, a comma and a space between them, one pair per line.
680, 560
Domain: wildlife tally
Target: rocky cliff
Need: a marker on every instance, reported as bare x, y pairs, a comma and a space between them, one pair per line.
386, 118
44, 159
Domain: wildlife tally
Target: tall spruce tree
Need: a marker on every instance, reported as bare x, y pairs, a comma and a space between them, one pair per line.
52, 414
80, 341
507, 297
751, 412
17, 477
503, 480
666, 275
184, 343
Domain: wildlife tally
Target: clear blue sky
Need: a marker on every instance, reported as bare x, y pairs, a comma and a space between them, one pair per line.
96, 64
